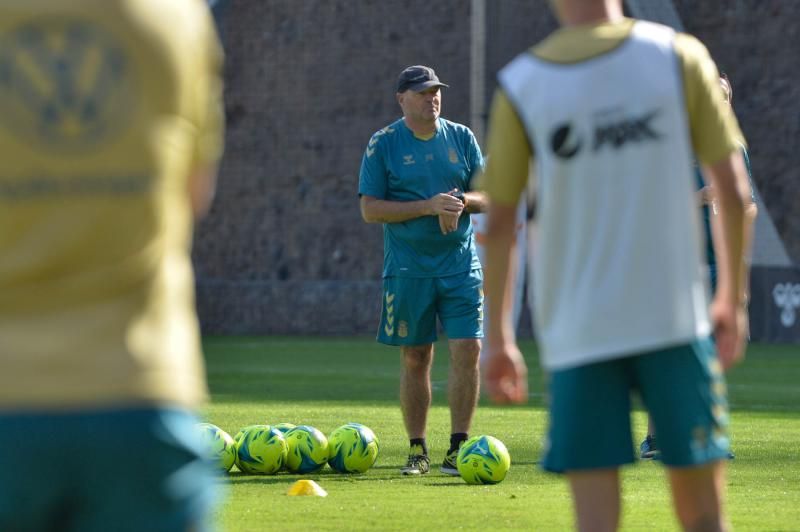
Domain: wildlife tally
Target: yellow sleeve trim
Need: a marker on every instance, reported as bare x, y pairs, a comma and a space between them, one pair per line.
714, 128
509, 153
579, 43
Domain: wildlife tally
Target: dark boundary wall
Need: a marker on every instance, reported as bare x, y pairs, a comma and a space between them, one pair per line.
775, 305
284, 250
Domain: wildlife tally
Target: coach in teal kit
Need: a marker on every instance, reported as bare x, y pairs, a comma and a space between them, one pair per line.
414, 179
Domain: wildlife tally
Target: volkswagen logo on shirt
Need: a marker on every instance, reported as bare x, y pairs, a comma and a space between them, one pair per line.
65, 84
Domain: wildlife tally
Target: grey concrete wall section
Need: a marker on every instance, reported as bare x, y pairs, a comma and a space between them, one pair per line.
768, 248
661, 11
290, 307
307, 83
756, 43
284, 250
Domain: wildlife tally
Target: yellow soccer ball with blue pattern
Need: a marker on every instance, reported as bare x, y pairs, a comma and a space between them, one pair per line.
260, 449
219, 446
483, 460
284, 427
352, 448
308, 449
238, 437
241, 432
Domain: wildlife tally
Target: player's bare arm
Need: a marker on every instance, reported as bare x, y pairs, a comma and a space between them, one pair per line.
374, 210
505, 372
202, 185
731, 190
750, 214
476, 202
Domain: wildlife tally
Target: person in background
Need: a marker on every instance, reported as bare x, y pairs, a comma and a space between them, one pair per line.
415, 180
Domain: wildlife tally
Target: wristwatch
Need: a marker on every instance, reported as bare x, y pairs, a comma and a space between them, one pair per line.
459, 195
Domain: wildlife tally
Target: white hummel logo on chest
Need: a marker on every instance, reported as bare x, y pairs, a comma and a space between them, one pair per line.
408, 159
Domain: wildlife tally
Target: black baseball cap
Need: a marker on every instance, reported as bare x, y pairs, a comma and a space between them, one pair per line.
418, 78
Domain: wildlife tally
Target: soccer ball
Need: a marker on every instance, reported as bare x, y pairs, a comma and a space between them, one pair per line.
219, 446
238, 437
352, 448
308, 449
260, 449
483, 460
284, 427
239, 434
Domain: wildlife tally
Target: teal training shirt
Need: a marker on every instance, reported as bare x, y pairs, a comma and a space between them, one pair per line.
397, 166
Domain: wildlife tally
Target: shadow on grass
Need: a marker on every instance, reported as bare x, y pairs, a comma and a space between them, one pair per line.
284, 477
331, 476
243, 478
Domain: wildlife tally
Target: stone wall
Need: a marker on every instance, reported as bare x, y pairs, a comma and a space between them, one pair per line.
756, 43
284, 249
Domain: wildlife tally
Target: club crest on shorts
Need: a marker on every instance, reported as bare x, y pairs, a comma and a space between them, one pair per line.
402, 329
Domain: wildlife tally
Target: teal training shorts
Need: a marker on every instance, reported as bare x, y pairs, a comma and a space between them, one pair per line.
121, 470
682, 387
411, 305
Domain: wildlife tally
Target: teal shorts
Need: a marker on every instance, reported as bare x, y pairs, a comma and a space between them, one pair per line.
411, 305
121, 470
683, 389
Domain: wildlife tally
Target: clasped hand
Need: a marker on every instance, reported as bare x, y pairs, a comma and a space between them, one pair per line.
448, 208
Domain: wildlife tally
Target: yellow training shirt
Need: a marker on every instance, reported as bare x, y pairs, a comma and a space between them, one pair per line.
106, 108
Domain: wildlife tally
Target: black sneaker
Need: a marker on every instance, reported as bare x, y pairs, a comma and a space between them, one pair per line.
417, 464
648, 450
450, 464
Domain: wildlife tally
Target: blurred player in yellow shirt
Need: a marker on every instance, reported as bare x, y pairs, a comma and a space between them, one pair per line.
110, 134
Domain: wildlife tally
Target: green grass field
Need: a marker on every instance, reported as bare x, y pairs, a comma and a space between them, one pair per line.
327, 382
